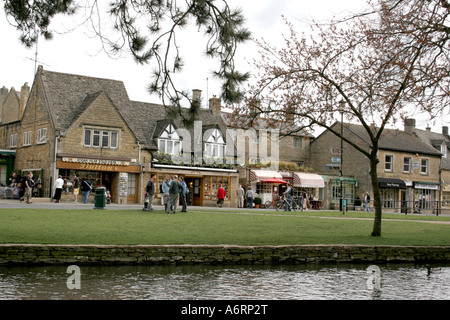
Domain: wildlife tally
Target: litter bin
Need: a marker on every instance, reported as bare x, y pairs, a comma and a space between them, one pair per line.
100, 198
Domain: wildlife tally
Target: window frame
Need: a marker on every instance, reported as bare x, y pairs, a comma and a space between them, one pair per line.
42, 136
426, 166
407, 164
391, 163
100, 138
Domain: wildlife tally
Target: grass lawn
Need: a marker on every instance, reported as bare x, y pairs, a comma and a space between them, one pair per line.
200, 226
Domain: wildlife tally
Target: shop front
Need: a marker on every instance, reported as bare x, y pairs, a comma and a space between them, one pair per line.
394, 195
425, 196
202, 183
309, 184
119, 176
262, 182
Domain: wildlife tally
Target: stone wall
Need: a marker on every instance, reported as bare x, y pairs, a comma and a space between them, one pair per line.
18, 254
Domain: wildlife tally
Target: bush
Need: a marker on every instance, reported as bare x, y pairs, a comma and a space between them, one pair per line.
257, 200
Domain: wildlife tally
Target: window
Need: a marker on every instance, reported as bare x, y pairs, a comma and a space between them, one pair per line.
298, 142
424, 166
42, 135
388, 163
444, 150
13, 140
27, 138
101, 138
169, 141
215, 144
406, 164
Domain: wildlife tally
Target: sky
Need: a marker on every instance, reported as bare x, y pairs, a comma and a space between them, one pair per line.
77, 52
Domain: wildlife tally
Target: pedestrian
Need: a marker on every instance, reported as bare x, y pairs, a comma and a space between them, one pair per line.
366, 202
59, 184
240, 193
86, 188
165, 191
27, 186
221, 193
305, 201
249, 194
149, 193
183, 195
75, 187
288, 197
174, 193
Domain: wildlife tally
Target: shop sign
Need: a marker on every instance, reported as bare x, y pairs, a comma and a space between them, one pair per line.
96, 161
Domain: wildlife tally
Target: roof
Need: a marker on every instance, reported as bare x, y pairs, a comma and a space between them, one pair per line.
392, 139
435, 140
69, 95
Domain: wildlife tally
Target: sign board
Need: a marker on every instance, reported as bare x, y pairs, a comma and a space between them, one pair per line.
336, 151
336, 159
416, 165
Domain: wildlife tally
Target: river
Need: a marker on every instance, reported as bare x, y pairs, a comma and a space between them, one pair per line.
287, 282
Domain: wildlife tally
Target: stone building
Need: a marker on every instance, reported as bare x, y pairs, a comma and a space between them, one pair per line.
408, 171
74, 124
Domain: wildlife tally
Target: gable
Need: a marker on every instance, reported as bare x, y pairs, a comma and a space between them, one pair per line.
11, 107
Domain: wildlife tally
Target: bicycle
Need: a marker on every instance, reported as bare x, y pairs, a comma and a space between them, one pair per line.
271, 203
283, 201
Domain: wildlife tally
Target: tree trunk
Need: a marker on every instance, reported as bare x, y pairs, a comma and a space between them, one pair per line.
376, 232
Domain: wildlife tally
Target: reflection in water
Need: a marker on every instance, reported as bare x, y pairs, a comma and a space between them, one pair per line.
226, 282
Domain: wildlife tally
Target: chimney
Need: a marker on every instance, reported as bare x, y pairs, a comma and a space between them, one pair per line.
24, 93
445, 131
410, 125
214, 106
3, 94
197, 95
255, 108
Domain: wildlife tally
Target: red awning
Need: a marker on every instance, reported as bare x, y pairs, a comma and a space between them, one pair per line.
274, 180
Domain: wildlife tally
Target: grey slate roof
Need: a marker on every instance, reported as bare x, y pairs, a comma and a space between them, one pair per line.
392, 139
69, 95
435, 140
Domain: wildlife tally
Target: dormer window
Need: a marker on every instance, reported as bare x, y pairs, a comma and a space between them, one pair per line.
444, 150
215, 144
169, 141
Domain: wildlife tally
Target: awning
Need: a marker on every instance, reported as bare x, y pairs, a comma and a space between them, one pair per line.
274, 180
260, 175
308, 180
387, 183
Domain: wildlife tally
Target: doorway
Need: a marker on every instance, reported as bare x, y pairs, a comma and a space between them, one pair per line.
132, 188
194, 192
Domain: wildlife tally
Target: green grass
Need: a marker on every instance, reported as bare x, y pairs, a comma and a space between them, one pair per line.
130, 227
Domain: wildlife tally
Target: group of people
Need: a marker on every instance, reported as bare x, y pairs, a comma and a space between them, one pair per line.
242, 194
85, 187
172, 191
26, 185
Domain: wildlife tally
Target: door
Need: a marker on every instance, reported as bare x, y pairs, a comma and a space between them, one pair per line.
132, 189
194, 196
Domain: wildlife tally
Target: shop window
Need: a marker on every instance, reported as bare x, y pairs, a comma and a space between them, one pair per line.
212, 184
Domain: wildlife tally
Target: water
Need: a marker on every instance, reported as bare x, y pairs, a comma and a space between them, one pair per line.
318, 282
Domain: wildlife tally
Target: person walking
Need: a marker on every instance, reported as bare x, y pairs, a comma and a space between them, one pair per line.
221, 193
149, 193
86, 188
240, 193
165, 192
249, 194
183, 195
174, 193
76, 187
288, 196
366, 202
59, 184
27, 185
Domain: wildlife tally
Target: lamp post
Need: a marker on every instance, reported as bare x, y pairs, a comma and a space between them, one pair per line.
341, 201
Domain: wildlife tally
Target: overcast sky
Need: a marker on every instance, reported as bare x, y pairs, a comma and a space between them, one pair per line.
76, 53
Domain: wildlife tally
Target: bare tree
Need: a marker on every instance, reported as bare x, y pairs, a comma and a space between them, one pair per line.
380, 64
148, 30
